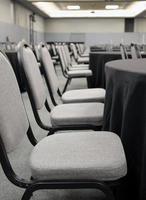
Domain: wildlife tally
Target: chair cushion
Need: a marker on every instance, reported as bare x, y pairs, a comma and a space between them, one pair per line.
84, 95
83, 59
78, 73
79, 155
78, 113
78, 68
85, 55
80, 65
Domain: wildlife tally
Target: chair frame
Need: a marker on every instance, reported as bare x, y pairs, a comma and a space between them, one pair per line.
52, 130
32, 185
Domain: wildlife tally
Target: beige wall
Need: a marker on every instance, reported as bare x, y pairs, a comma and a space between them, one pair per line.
140, 25
22, 18
84, 25
6, 11
16, 14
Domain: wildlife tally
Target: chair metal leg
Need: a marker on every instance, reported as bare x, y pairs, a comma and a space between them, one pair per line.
68, 185
67, 82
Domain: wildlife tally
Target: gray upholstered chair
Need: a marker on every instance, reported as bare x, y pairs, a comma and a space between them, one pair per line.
72, 96
69, 64
63, 116
135, 52
82, 52
123, 52
70, 74
78, 58
82, 160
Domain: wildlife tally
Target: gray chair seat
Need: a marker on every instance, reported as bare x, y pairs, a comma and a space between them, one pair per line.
79, 155
55, 57
83, 59
85, 55
78, 73
77, 114
84, 95
79, 67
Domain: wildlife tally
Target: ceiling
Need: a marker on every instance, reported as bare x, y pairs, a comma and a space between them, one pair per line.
88, 8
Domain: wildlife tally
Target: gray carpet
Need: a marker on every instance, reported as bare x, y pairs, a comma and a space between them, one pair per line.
20, 161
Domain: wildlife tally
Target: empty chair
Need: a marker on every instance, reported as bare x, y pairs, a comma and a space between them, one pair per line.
70, 74
78, 58
72, 96
138, 51
135, 52
67, 59
78, 160
81, 51
65, 116
123, 52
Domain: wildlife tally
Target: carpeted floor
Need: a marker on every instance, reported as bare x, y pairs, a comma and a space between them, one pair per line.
20, 161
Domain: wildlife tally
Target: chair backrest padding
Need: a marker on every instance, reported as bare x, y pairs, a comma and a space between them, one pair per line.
64, 56
74, 51
133, 52
13, 120
49, 68
123, 52
67, 54
61, 58
33, 77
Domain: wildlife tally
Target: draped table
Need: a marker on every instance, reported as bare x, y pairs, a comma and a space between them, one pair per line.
97, 62
125, 114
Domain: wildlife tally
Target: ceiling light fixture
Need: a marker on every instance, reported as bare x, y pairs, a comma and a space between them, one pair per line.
111, 7
53, 11
73, 7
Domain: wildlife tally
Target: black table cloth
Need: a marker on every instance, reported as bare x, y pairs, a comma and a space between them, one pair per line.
125, 114
97, 62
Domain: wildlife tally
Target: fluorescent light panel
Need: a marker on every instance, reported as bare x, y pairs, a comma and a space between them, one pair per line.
54, 12
73, 7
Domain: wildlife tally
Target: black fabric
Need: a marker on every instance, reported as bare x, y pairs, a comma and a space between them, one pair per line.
12, 56
96, 64
125, 114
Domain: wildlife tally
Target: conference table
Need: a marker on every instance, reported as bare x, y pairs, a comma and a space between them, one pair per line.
125, 114
97, 62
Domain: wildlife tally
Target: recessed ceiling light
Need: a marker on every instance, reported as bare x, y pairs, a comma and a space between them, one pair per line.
73, 7
111, 7
53, 11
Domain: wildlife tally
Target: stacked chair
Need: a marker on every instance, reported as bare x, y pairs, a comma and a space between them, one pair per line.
71, 96
63, 116
76, 160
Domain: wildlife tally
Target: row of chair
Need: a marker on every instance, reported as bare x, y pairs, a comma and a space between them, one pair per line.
67, 160
64, 115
